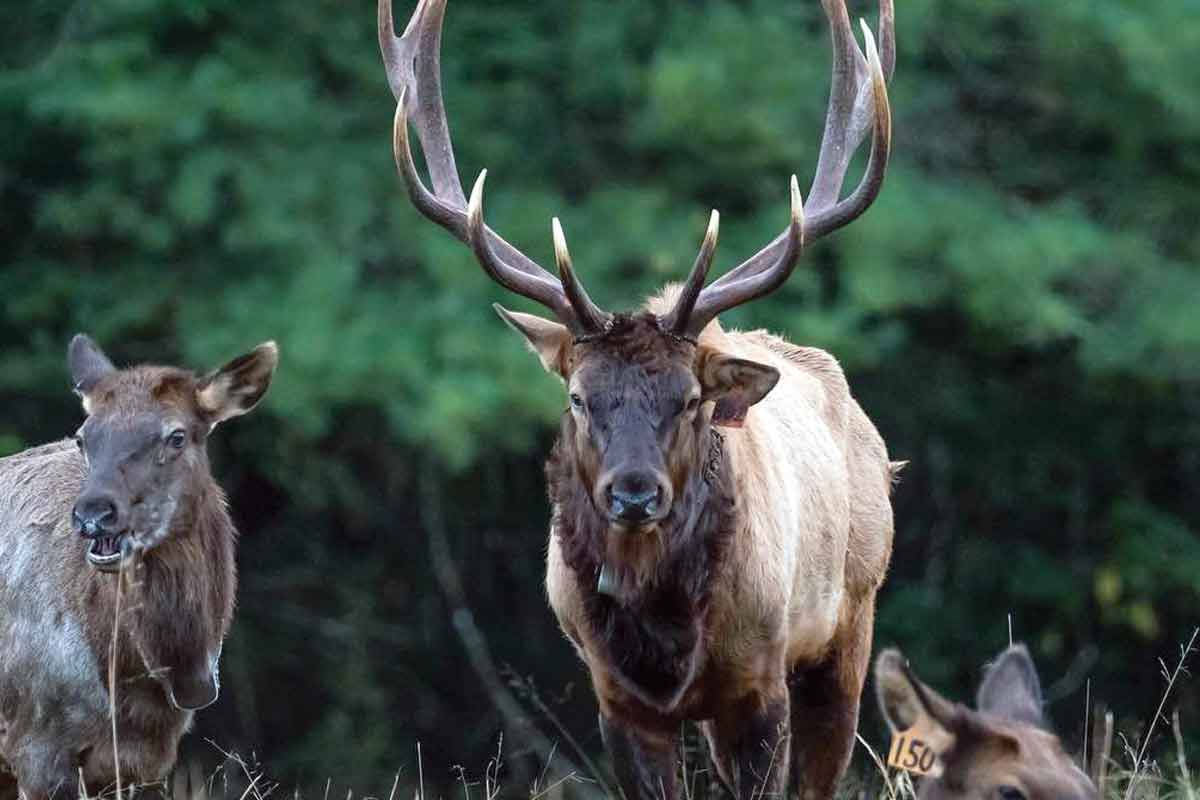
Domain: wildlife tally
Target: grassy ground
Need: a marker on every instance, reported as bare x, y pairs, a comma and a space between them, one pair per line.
1156, 769
1152, 766
1167, 776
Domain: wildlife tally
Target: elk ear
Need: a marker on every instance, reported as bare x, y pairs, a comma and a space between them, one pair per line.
908, 703
237, 387
734, 384
88, 365
1011, 688
549, 341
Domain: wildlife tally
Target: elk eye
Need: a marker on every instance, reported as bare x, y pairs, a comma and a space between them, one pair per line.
1009, 793
177, 439
576, 402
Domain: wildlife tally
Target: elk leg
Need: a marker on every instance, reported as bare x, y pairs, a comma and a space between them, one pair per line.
643, 760
749, 745
8, 784
825, 701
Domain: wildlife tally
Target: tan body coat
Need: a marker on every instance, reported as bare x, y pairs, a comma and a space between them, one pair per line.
813, 541
742, 596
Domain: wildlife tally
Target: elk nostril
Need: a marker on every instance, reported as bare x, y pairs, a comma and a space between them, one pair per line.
656, 501
93, 517
634, 506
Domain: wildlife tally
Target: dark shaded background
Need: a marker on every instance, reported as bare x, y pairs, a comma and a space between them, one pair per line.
1017, 313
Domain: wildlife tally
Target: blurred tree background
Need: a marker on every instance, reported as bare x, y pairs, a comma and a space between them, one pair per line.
1017, 313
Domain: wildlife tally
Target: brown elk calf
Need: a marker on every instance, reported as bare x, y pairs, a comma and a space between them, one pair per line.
726, 578
130, 501
1001, 750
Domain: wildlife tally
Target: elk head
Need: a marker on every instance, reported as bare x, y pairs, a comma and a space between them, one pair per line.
642, 387
144, 443
642, 393
1000, 750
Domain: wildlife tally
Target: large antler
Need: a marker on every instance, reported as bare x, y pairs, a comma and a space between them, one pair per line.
414, 74
857, 102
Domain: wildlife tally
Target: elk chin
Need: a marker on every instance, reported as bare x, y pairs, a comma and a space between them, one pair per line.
631, 560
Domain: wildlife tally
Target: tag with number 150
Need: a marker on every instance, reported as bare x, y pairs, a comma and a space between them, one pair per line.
912, 753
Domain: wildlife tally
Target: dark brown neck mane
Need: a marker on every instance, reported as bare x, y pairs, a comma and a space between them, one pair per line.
653, 637
177, 602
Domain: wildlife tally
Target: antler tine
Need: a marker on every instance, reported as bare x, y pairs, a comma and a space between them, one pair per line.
718, 297
424, 200
590, 317
860, 93
413, 69
676, 321
887, 37
827, 220
501, 257
413, 62
845, 120
545, 290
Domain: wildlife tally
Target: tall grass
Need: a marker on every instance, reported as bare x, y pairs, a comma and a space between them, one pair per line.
1132, 773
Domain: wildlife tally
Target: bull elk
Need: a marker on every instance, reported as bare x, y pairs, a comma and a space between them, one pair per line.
1000, 750
128, 513
726, 578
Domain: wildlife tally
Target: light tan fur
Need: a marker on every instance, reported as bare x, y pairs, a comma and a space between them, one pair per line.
796, 589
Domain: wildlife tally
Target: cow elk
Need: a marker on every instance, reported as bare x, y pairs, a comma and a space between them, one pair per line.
729, 577
1001, 750
127, 513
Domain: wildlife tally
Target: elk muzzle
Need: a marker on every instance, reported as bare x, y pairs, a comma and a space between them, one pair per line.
99, 517
635, 497
95, 515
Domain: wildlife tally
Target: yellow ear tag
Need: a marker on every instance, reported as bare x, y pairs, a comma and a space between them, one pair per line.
912, 751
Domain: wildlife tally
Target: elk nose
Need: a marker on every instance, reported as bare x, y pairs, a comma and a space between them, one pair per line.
635, 497
95, 516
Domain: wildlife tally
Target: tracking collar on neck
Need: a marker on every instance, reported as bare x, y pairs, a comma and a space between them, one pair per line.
716, 452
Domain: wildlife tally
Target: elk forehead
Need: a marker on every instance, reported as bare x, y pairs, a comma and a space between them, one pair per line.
164, 391
633, 382
1040, 763
991, 752
634, 348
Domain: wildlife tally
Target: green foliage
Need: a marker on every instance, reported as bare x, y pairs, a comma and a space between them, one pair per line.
1017, 312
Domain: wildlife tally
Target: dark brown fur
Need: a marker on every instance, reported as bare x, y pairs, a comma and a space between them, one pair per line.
652, 638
